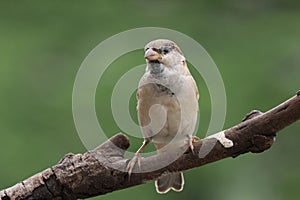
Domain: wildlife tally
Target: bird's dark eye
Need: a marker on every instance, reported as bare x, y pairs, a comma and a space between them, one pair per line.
165, 50
146, 49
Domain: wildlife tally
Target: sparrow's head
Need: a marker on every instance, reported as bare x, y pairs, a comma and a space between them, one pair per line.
164, 52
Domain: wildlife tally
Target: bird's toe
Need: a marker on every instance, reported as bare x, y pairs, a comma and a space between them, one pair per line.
132, 162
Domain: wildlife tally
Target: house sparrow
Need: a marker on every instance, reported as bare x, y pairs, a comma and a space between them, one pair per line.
167, 106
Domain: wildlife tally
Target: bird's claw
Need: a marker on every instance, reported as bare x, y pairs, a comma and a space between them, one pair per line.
195, 139
192, 140
132, 162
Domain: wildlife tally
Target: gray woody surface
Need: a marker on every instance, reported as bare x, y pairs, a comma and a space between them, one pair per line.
102, 170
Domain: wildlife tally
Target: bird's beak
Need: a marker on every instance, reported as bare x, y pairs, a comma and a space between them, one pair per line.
152, 55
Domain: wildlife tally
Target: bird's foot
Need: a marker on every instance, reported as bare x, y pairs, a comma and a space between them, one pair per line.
192, 140
132, 162
195, 139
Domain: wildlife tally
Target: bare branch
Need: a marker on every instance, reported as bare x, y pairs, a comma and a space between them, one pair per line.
102, 170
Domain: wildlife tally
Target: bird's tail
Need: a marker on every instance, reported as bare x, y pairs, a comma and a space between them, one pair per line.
172, 181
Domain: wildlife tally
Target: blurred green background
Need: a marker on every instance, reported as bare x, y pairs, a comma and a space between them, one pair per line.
255, 44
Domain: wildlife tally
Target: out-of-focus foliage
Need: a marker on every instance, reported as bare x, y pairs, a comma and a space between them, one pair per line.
255, 44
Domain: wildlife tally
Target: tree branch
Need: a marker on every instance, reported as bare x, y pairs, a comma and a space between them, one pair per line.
102, 170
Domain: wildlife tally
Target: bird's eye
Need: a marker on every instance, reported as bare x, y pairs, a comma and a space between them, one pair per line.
146, 49
165, 50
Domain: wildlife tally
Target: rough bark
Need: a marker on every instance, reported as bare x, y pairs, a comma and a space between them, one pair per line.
102, 170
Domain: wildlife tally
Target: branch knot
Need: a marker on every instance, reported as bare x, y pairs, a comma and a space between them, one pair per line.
261, 143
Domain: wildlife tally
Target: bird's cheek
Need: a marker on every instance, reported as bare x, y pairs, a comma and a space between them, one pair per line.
164, 62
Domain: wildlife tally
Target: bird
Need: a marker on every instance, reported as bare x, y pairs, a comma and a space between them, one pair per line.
167, 106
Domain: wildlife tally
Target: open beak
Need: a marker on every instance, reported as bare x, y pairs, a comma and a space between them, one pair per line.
152, 55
